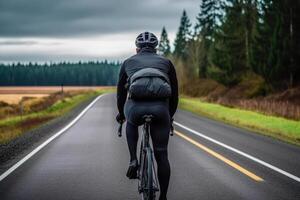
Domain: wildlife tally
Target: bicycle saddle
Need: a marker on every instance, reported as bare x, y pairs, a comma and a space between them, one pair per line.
148, 118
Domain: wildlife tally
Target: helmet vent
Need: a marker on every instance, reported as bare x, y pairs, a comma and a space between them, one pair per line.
146, 39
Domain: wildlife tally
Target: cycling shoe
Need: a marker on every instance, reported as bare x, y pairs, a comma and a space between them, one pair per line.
132, 170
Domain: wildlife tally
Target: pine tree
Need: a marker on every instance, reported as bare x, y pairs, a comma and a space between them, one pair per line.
182, 37
292, 30
229, 48
279, 33
270, 51
250, 18
207, 19
164, 44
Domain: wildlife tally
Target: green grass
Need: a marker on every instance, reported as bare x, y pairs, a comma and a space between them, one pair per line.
13, 127
281, 128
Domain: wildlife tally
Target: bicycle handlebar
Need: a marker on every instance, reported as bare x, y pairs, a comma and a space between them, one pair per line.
172, 130
172, 127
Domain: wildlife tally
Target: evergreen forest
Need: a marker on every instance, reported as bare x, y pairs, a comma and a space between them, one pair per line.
70, 74
234, 40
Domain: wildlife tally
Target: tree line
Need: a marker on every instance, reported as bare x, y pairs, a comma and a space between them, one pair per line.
81, 73
232, 38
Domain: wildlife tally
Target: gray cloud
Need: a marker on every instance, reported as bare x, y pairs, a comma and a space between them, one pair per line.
65, 18
15, 42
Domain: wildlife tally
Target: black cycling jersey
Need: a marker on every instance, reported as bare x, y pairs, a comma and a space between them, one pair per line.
146, 57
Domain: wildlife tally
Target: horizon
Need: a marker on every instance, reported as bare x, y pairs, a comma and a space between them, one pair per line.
40, 63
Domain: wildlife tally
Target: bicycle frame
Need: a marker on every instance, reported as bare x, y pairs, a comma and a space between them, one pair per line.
147, 170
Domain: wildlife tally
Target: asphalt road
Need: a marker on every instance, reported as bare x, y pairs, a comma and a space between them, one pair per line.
89, 161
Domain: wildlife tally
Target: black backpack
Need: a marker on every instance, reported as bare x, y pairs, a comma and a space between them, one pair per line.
149, 83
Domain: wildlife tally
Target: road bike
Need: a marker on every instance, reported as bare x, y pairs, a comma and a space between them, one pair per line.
147, 179
147, 184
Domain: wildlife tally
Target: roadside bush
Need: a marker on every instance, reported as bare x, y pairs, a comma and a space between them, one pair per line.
3, 104
29, 104
7, 111
223, 77
45, 102
254, 85
202, 88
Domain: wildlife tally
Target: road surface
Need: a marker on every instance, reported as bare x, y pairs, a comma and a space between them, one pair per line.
89, 161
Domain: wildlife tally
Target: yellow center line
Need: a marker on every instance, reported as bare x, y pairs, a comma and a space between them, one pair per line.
220, 157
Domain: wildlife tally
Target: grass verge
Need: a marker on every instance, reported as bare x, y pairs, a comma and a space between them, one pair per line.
277, 127
15, 126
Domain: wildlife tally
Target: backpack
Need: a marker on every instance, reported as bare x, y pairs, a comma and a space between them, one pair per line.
149, 83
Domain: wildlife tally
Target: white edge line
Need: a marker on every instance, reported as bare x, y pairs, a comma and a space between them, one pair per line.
241, 153
32, 153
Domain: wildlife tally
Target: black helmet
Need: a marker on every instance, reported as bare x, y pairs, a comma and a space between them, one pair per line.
146, 39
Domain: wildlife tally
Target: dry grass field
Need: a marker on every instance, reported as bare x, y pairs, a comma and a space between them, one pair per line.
13, 95
24, 108
46, 89
16, 98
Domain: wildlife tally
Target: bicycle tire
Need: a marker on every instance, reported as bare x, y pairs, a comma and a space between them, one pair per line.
147, 186
147, 177
144, 178
150, 174
141, 176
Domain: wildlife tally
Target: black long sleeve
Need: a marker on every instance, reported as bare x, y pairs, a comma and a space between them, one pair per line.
121, 90
142, 60
173, 102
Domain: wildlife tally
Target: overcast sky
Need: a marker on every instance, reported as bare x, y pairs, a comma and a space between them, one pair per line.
56, 30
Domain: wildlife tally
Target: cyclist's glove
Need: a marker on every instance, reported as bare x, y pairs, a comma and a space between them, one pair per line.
171, 126
120, 118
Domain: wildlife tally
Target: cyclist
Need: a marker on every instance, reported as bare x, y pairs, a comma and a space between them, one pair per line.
161, 99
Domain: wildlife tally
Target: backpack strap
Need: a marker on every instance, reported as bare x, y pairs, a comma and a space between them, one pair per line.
148, 72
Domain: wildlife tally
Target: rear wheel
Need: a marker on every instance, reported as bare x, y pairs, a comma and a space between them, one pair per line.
144, 177
146, 184
141, 170
150, 175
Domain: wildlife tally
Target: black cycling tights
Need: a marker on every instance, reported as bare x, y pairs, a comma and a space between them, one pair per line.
160, 141
159, 131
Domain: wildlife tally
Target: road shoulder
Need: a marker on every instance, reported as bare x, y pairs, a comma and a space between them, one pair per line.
12, 152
